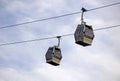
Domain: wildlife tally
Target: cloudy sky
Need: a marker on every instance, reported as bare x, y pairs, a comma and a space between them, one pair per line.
26, 61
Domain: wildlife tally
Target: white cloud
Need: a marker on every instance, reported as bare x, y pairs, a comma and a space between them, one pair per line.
91, 2
26, 62
9, 74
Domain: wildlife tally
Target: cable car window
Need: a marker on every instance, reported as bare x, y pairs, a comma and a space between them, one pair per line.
89, 32
57, 52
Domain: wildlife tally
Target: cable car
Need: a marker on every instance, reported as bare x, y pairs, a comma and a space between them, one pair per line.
53, 55
84, 35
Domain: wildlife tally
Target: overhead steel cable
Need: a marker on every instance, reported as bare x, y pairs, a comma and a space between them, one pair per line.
49, 18
39, 39
104, 6
27, 41
107, 27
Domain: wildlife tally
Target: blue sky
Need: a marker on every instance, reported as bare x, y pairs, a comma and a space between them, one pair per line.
26, 62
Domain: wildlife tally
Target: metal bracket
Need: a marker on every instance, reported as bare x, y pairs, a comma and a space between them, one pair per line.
59, 37
82, 19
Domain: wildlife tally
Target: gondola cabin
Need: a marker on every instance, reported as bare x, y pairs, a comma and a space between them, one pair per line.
84, 35
53, 55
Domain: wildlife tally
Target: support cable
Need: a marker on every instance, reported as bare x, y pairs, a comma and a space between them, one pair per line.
39, 39
55, 17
